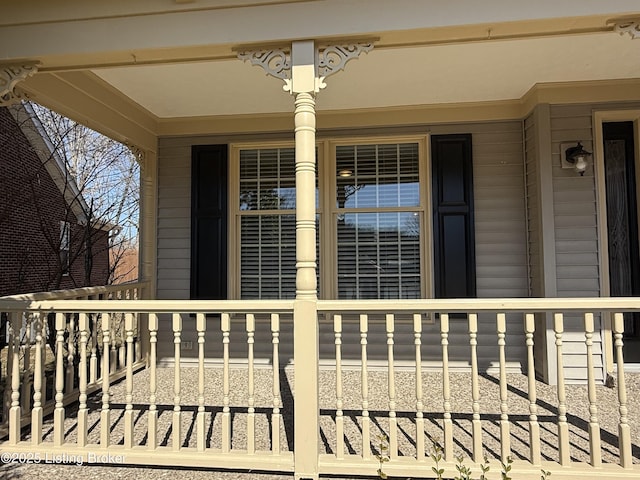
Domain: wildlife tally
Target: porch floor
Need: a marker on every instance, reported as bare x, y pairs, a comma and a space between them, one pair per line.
461, 403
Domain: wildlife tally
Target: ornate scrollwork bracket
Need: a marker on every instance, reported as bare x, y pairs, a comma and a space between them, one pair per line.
275, 62
10, 77
140, 156
333, 58
137, 152
330, 59
632, 27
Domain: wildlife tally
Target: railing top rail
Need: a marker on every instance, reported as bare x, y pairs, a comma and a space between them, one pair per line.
466, 305
74, 292
142, 306
474, 305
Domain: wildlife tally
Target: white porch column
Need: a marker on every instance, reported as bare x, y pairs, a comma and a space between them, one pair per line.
148, 238
148, 220
304, 69
305, 315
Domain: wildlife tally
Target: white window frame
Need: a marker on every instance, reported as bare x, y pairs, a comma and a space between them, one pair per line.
327, 209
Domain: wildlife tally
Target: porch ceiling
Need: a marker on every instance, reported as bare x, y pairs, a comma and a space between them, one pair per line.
483, 71
139, 69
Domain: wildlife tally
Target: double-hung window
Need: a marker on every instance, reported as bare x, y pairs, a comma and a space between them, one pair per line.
267, 202
378, 221
371, 205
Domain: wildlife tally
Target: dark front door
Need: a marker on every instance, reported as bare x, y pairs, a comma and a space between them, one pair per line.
209, 171
622, 222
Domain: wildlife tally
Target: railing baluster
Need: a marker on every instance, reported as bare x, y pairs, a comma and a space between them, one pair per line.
138, 343
122, 349
563, 427
276, 417
43, 353
6, 397
391, 381
337, 329
201, 326
417, 341
624, 432
113, 367
15, 410
105, 415
128, 412
366, 427
534, 426
36, 413
476, 424
251, 415
58, 412
153, 382
505, 435
225, 326
594, 427
446, 389
93, 362
83, 411
177, 414
25, 396
71, 350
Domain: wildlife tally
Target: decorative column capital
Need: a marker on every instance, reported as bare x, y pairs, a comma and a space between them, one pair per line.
141, 158
632, 27
10, 76
137, 152
329, 59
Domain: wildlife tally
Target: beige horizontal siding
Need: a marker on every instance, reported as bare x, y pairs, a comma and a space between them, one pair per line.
501, 254
174, 220
576, 235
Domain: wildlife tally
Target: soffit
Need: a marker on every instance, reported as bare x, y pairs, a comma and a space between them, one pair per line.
483, 71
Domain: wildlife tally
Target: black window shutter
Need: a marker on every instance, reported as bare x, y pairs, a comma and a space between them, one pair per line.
453, 230
209, 192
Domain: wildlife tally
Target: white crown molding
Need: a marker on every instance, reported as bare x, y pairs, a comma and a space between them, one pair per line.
10, 77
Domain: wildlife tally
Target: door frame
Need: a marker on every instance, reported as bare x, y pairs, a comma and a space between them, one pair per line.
600, 117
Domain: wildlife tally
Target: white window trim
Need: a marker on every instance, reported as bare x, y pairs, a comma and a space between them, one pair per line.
327, 208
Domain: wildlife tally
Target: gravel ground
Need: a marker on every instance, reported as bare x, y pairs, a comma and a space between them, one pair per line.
461, 407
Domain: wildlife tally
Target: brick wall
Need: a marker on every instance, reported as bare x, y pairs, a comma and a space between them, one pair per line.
31, 208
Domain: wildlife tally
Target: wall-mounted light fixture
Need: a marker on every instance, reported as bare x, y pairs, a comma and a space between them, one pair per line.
574, 156
345, 172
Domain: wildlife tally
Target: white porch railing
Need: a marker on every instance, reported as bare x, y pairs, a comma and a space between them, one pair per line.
30, 332
561, 459
214, 411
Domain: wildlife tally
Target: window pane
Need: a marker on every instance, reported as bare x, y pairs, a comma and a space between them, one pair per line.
249, 164
267, 179
372, 176
267, 201
267, 256
378, 255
